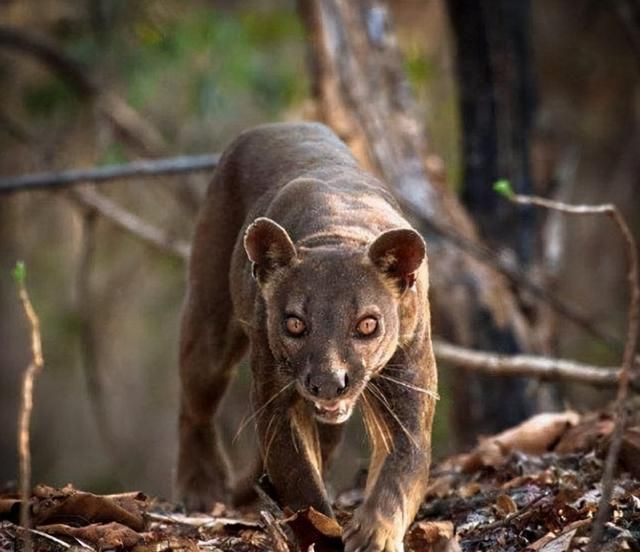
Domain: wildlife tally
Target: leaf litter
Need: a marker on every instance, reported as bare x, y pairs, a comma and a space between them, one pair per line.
534, 488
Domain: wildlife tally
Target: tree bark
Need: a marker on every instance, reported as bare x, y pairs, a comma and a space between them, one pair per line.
497, 97
497, 102
361, 91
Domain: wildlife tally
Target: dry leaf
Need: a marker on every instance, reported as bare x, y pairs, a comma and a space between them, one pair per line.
431, 536
101, 535
585, 435
470, 489
562, 543
52, 506
630, 451
506, 505
441, 486
534, 436
311, 527
9, 509
541, 542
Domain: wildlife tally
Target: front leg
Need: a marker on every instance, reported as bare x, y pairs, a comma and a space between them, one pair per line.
289, 443
402, 403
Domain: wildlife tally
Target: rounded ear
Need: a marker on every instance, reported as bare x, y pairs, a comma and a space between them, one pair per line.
398, 254
268, 247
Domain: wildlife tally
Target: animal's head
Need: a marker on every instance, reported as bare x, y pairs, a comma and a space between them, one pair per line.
335, 316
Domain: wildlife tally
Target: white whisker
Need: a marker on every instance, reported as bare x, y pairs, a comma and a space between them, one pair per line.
429, 392
372, 415
382, 399
260, 410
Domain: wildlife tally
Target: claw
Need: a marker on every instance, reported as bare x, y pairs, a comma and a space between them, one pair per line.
369, 532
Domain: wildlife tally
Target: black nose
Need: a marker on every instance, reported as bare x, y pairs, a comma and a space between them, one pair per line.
327, 384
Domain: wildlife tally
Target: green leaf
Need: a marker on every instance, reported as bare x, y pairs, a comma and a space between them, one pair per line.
503, 187
20, 273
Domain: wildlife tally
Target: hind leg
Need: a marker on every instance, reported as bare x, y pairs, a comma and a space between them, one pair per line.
208, 355
211, 345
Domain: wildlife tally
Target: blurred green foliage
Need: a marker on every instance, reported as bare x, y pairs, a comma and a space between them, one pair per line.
20, 273
113, 153
49, 98
221, 56
419, 69
437, 103
193, 67
504, 188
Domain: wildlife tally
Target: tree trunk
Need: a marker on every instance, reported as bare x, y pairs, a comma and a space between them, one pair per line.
497, 103
496, 91
362, 92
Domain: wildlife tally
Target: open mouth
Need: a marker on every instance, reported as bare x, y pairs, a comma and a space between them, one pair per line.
333, 413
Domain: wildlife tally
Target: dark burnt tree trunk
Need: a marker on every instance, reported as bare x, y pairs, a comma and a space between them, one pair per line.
496, 91
362, 92
497, 100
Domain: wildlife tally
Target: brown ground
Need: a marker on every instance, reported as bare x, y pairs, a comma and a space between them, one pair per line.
535, 487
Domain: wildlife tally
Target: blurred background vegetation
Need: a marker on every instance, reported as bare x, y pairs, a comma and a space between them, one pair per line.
193, 74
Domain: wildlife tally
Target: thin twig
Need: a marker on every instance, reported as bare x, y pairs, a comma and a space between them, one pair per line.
539, 367
49, 537
132, 223
138, 169
631, 343
26, 404
526, 511
274, 531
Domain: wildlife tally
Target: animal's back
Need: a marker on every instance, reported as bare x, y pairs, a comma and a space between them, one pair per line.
264, 158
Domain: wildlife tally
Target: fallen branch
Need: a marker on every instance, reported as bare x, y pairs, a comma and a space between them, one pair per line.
26, 402
542, 368
132, 223
273, 529
137, 169
631, 342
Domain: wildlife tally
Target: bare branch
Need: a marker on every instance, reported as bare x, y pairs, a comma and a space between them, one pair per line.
26, 404
132, 223
46, 52
631, 344
137, 169
539, 367
131, 125
125, 119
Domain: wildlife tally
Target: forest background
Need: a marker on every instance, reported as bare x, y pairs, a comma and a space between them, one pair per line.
187, 77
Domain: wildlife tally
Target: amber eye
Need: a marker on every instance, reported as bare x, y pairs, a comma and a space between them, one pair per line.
295, 326
367, 326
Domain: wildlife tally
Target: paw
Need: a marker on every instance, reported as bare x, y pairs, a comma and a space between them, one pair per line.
202, 478
371, 531
200, 484
199, 492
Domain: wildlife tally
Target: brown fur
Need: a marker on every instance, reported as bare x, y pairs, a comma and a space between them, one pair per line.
291, 227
